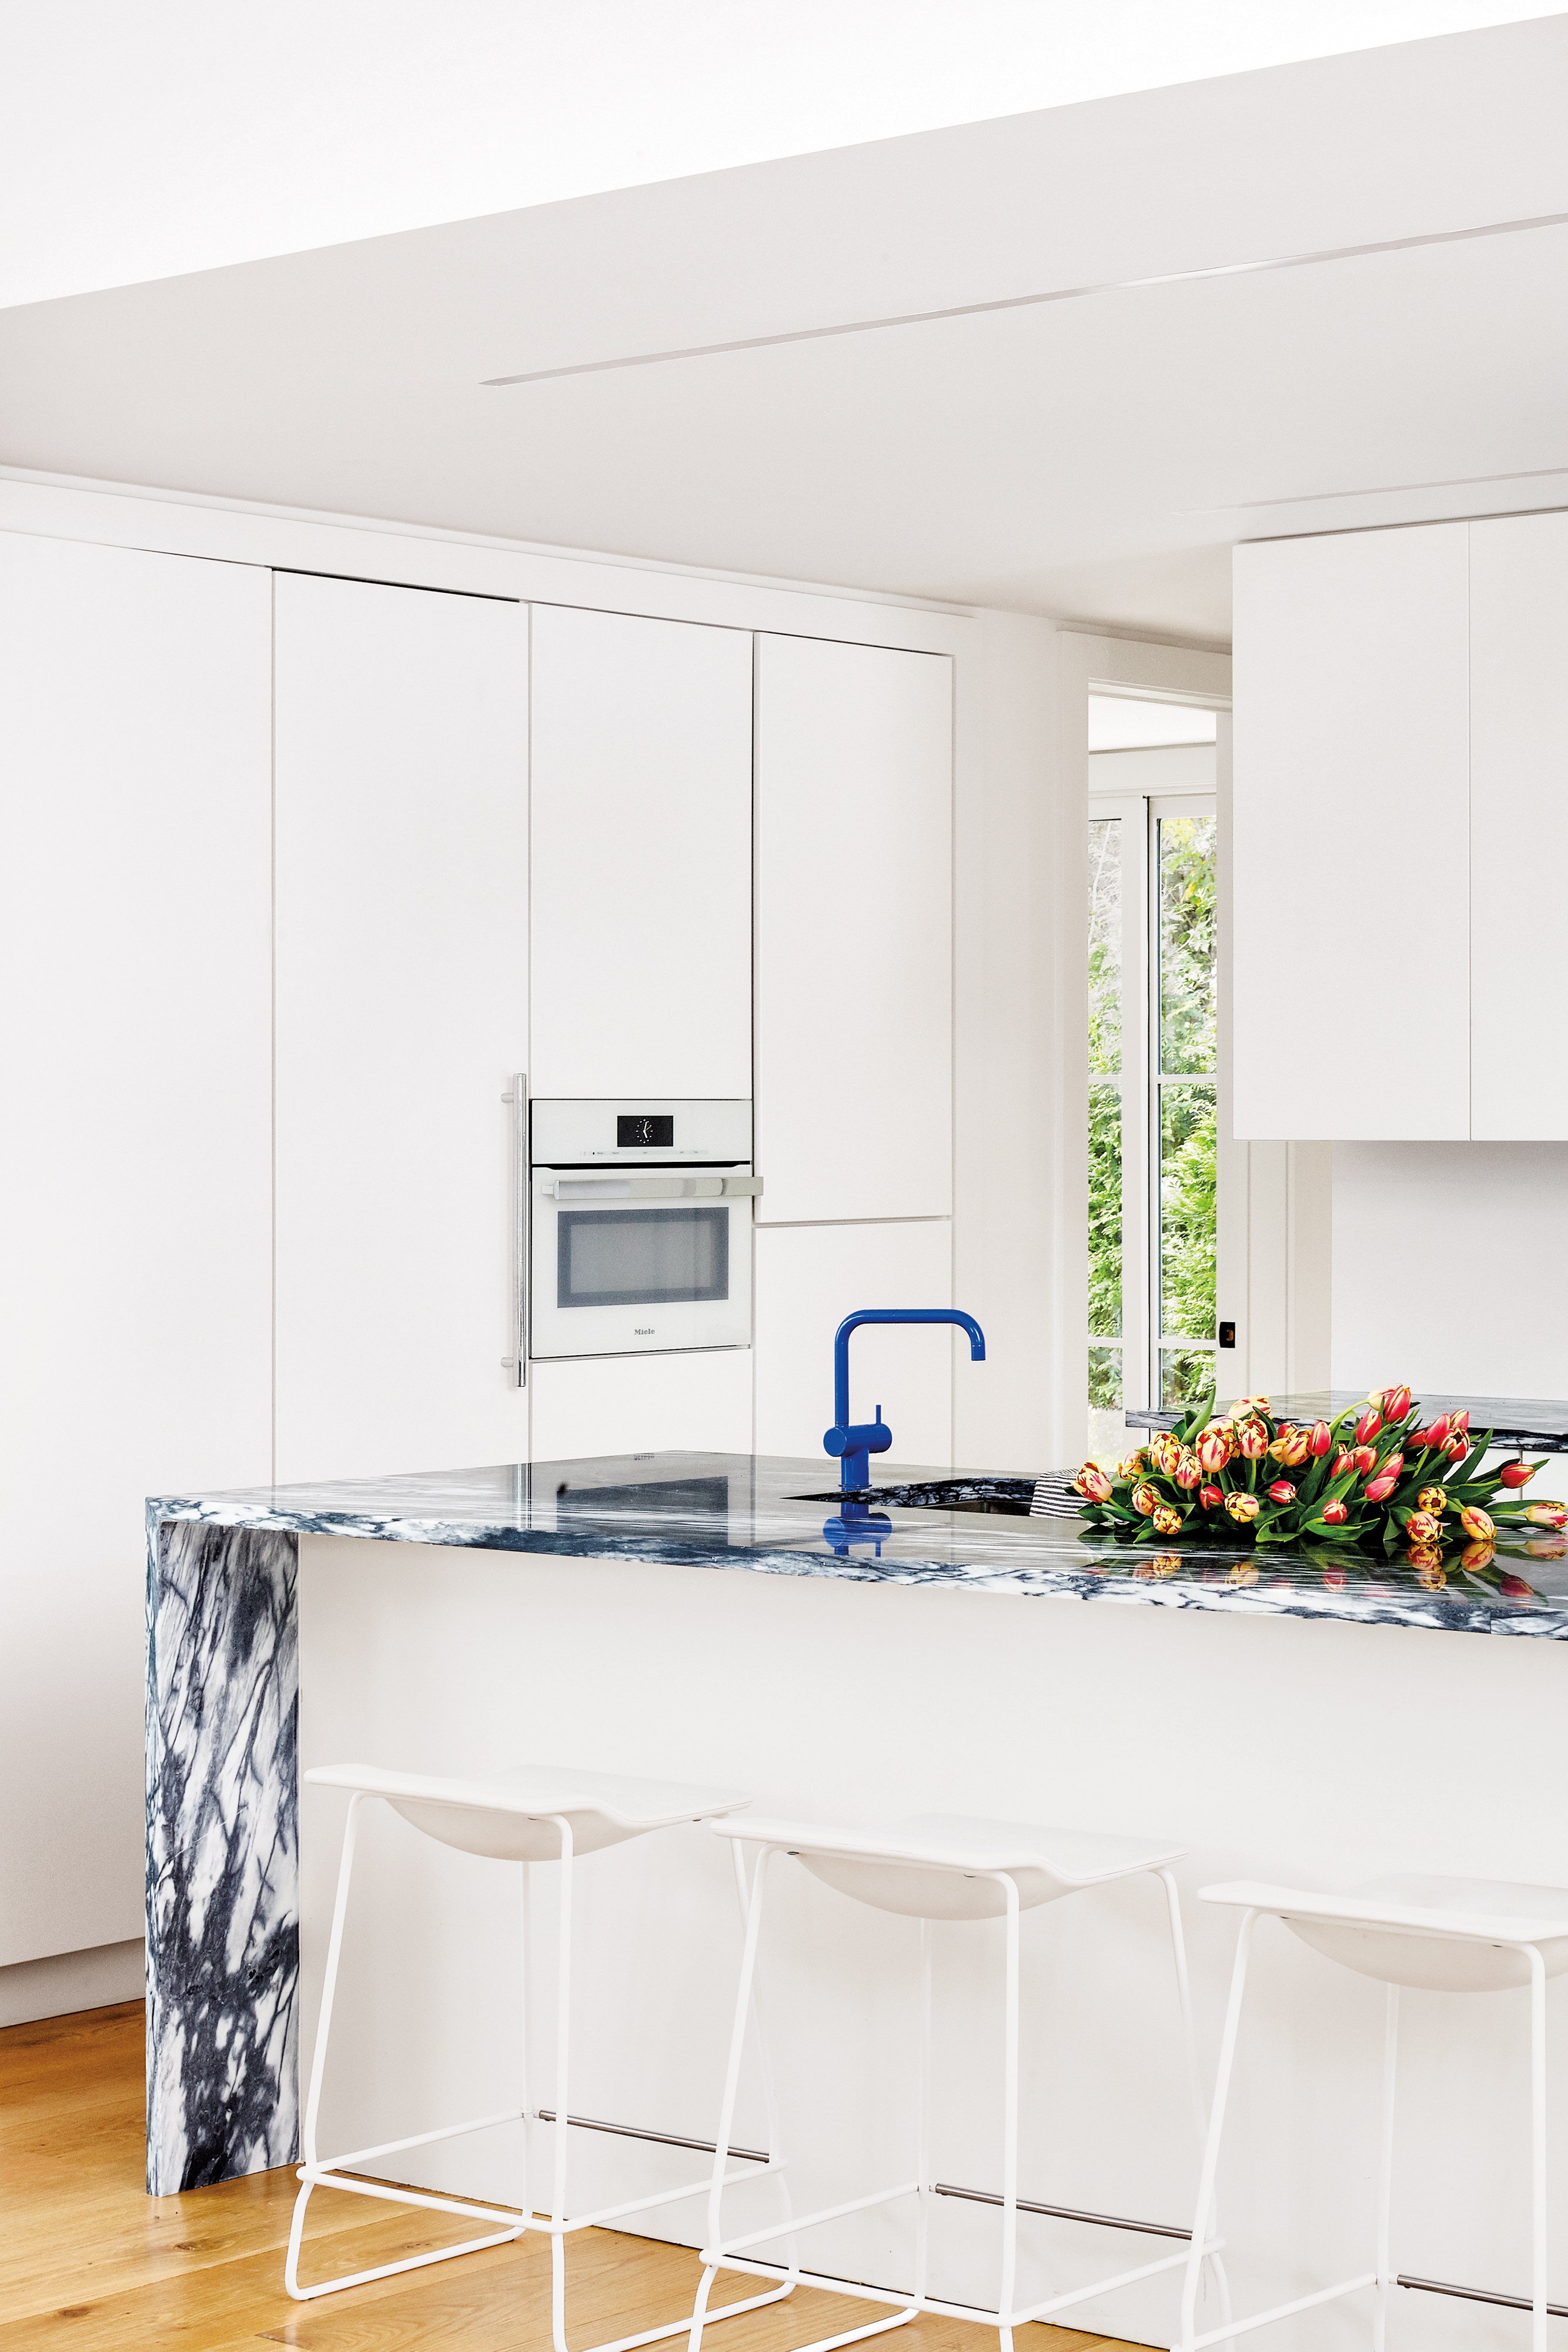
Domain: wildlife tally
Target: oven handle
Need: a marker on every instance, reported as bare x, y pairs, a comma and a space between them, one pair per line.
650, 1188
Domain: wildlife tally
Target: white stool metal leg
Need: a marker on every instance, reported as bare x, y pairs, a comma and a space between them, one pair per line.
1385, 2168
1538, 2148
1195, 2077
313, 2174
1009, 2125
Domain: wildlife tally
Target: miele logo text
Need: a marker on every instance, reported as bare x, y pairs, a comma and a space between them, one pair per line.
642, 1330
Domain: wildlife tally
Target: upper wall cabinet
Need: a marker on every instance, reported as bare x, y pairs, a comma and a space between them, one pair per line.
854, 931
402, 883
642, 856
1518, 825
1352, 837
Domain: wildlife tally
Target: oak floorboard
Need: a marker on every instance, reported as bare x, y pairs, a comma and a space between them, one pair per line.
88, 2263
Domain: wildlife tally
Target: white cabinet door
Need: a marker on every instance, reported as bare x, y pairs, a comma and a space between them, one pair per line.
809, 1278
1352, 837
1518, 826
402, 862
854, 930
642, 856
135, 1009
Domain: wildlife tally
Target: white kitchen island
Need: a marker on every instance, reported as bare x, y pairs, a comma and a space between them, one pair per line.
686, 1616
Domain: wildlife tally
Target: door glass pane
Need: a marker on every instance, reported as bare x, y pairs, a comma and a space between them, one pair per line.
1105, 943
1186, 1268
1188, 1042
1104, 1362
1186, 1374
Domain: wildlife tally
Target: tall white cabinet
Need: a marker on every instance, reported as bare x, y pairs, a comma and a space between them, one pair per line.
1401, 808
854, 1034
641, 855
136, 1242
402, 882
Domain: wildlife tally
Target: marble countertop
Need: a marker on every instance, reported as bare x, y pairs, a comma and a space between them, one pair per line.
1534, 1424
778, 1516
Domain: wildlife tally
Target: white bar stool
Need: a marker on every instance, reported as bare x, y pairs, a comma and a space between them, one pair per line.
940, 1866
532, 1813
1435, 1935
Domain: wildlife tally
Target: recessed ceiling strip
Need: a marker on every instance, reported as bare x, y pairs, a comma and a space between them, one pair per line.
1378, 490
1032, 301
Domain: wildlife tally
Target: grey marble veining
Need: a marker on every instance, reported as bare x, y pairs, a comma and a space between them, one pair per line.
223, 1893
772, 1517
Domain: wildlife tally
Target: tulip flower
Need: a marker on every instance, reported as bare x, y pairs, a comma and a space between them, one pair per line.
1145, 1499
1378, 1490
1298, 1448
1422, 1527
1243, 1508
1518, 1473
1133, 1467
1164, 1452
1367, 1427
1168, 1520
1433, 1499
1320, 1441
1211, 1499
1459, 1421
1516, 1589
1215, 1447
1457, 1448
1396, 1404
1546, 1515
1334, 1514
1189, 1469
1440, 1429
1092, 1481
1252, 1441
1361, 1460
1477, 1523
1282, 1491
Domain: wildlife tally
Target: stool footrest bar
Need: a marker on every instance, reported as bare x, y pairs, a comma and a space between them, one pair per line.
1283, 2311
721, 2253
1107, 2285
661, 2138
319, 2177
1065, 2213
606, 2214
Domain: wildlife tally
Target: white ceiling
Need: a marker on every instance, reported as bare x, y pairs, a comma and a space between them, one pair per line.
144, 143
1093, 452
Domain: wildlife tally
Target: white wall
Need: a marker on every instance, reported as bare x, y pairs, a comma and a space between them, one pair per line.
1449, 1267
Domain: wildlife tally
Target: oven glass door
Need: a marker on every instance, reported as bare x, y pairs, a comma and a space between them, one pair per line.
630, 1278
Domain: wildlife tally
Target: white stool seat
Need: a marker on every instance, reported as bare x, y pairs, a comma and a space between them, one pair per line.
511, 1816
937, 1867
526, 1813
1435, 1935
933, 1865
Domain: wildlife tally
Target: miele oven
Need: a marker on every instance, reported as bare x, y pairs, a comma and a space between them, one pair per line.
640, 1226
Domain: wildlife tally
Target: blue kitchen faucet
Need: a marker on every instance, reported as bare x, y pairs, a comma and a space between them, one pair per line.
856, 1440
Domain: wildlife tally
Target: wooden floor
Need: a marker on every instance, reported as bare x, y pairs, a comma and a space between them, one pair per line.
89, 2261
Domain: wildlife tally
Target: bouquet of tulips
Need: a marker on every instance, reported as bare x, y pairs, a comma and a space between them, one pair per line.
1373, 1482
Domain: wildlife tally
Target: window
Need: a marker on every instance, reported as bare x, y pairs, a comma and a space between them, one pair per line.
1153, 1088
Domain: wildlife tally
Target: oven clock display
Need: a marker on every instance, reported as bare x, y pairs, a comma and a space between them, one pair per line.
648, 1132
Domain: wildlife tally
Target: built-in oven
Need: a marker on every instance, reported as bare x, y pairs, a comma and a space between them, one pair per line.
639, 1226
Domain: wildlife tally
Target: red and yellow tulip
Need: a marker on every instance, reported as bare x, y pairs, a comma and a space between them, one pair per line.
1093, 1481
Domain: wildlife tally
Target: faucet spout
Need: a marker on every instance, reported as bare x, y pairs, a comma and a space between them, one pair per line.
855, 1442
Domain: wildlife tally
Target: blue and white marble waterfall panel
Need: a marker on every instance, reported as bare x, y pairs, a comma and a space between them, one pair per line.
222, 1852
